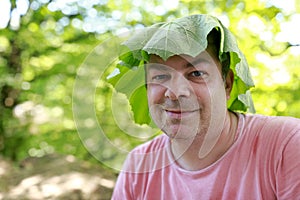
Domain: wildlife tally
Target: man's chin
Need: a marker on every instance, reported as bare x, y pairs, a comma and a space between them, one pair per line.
181, 132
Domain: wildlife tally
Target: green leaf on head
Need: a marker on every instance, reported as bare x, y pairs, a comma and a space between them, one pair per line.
187, 35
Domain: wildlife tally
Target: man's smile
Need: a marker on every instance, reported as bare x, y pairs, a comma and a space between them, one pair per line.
179, 114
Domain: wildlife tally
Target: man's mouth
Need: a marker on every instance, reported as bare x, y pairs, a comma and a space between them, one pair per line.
179, 114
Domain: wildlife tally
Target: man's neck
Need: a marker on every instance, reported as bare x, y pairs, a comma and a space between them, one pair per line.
187, 153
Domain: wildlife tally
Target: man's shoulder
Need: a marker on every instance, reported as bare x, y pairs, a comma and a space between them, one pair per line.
150, 156
272, 121
272, 127
269, 135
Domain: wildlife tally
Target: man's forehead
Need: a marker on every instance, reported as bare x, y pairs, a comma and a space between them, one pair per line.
155, 58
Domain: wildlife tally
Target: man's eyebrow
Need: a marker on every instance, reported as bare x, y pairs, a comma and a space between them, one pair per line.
156, 66
196, 61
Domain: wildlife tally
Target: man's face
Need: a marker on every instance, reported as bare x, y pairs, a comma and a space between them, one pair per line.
187, 95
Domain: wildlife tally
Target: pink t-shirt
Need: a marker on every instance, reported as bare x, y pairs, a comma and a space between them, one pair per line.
263, 163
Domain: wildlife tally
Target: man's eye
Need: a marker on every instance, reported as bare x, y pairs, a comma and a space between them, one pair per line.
197, 73
159, 77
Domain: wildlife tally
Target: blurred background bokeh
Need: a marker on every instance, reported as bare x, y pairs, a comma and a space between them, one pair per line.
43, 43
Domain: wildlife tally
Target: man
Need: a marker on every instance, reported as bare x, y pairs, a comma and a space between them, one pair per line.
208, 151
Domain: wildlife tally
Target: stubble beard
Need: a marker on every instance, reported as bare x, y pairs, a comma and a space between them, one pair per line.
187, 129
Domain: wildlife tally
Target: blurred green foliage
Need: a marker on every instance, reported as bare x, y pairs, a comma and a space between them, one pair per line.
42, 48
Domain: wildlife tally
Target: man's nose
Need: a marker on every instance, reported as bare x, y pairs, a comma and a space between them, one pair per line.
178, 86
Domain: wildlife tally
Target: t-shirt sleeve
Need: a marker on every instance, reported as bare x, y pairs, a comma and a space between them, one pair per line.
288, 168
144, 158
124, 184
122, 188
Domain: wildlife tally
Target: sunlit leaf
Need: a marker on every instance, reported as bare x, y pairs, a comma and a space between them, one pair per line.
188, 36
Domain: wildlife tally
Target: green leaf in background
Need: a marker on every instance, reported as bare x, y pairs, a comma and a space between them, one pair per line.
185, 35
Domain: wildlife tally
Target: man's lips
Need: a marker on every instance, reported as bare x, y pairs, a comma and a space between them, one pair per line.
178, 114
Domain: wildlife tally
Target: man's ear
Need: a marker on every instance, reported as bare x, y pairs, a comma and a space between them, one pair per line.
229, 83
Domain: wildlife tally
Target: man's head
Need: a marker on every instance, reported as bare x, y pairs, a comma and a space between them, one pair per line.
187, 95
188, 36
